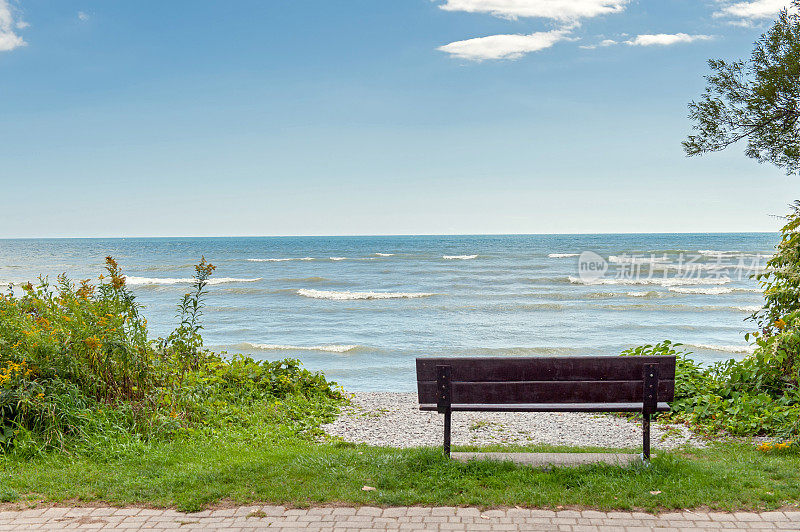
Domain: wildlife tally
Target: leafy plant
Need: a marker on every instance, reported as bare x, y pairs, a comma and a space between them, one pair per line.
78, 373
747, 398
781, 278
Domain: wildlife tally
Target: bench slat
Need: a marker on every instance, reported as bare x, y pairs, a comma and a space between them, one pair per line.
616, 391
548, 407
495, 369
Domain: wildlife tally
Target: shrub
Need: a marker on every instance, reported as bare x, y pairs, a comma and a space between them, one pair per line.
744, 398
759, 395
78, 370
781, 278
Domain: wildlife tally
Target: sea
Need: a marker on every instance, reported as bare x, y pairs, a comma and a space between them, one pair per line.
362, 308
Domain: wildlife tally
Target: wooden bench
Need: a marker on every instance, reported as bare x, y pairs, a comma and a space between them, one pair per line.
547, 384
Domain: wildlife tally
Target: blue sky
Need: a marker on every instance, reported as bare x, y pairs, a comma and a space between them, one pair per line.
278, 117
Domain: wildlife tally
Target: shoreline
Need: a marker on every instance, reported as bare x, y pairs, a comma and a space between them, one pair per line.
393, 419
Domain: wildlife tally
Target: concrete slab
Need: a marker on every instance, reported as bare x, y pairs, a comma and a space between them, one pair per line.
553, 459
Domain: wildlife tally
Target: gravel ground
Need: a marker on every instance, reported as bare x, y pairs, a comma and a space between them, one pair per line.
394, 420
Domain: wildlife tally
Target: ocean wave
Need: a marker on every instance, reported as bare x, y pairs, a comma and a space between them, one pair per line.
599, 295
648, 294
688, 268
748, 308
304, 280
167, 267
521, 306
342, 296
281, 260
562, 255
711, 290
337, 258
628, 259
746, 349
135, 281
523, 351
384, 254
331, 348
459, 257
657, 307
660, 281
717, 252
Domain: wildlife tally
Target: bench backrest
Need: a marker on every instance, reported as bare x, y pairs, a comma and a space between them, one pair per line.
543, 380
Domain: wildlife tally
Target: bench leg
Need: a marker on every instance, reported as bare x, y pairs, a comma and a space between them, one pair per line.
646, 436
447, 432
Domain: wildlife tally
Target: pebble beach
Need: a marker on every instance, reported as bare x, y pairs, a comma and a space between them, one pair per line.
394, 420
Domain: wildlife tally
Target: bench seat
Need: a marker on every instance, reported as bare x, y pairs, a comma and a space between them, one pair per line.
547, 407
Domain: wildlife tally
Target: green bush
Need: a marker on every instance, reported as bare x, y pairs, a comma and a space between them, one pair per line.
781, 279
759, 395
745, 398
78, 372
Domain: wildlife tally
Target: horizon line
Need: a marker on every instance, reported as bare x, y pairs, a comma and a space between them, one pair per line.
366, 235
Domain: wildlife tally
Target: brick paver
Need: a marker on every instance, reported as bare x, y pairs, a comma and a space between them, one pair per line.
368, 518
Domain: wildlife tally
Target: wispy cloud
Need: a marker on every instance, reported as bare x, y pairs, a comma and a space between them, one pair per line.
665, 39
563, 10
601, 44
83, 16
657, 39
503, 46
752, 10
9, 39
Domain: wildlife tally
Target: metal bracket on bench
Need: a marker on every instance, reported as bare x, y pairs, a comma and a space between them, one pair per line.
649, 405
444, 401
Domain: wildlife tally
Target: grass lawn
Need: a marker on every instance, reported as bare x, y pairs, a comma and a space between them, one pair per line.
195, 473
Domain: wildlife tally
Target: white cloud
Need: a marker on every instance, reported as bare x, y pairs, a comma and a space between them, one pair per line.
553, 9
754, 9
83, 16
503, 46
8, 38
665, 39
601, 44
659, 39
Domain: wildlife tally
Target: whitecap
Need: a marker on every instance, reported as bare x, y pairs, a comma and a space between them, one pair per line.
280, 260
338, 258
341, 296
746, 349
748, 308
717, 252
626, 259
385, 254
649, 293
712, 290
132, 280
459, 257
332, 348
562, 255
660, 281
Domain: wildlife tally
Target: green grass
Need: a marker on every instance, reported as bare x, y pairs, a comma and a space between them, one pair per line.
193, 474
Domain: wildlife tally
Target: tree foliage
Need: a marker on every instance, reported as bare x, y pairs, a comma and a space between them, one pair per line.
756, 99
781, 279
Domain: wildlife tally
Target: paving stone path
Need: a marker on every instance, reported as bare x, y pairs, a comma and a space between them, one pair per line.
400, 518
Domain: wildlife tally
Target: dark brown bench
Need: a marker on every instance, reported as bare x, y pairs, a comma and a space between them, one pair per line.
547, 384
